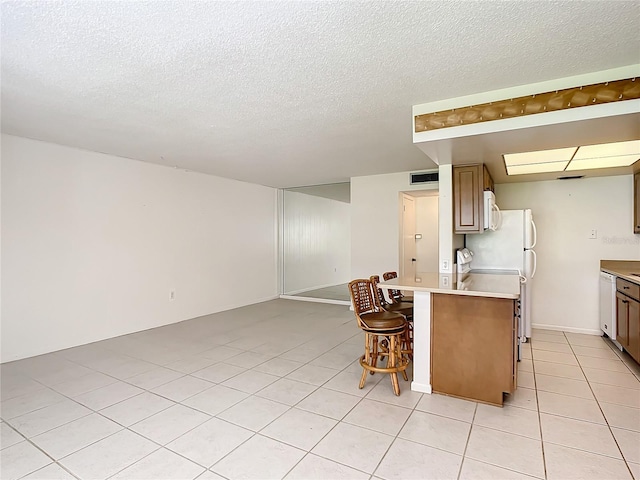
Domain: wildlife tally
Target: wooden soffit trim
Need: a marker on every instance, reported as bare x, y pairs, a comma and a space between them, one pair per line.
594, 94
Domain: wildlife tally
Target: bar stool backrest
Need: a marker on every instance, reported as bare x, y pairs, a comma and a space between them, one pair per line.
394, 295
378, 294
362, 298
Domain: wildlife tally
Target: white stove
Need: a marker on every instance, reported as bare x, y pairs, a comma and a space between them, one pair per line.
464, 268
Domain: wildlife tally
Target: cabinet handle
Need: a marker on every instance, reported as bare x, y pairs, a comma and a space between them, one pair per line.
625, 301
625, 288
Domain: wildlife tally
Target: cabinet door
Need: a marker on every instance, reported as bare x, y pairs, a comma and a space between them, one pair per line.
622, 319
472, 346
634, 329
468, 208
636, 203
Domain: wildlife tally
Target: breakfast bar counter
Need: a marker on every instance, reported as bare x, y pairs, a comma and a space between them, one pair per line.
473, 284
464, 333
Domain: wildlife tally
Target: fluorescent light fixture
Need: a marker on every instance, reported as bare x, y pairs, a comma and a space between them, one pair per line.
607, 155
537, 168
609, 150
541, 156
603, 162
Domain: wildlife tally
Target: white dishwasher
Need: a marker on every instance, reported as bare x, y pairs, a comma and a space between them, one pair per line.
608, 306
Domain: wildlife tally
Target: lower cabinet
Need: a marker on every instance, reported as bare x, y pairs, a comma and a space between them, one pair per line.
628, 317
473, 347
622, 319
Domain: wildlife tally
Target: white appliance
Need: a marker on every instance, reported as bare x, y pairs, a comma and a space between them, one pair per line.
492, 217
464, 257
510, 248
608, 306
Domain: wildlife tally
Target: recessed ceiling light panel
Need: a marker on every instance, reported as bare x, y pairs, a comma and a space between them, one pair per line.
603, 162
608, 155
609, 150
541, 156
536, 168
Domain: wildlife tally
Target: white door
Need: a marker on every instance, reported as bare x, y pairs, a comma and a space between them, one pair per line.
408, 247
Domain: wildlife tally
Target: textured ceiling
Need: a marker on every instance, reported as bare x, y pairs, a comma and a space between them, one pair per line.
282, 93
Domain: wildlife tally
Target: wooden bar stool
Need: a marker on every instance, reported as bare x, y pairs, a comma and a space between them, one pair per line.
396, 295
384, 333
403, 308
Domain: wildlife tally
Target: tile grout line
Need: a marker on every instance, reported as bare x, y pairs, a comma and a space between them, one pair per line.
400, 430
289, 406
626, 463
466, 445
144, 390
535, 384
346, 414
317, 387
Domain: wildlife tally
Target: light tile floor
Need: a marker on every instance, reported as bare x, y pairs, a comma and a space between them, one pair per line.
270, 391
334, 292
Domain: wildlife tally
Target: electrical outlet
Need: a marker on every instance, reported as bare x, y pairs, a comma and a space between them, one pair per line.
593, 233
445, 281
445, 265
172, 294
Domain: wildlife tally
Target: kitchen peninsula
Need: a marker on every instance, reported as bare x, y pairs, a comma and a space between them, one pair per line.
465, 334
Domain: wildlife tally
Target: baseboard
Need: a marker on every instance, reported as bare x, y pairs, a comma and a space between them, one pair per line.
316, 300
420, 387
559, 328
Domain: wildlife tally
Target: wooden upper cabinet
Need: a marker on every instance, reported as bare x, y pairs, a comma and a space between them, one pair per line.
636, 202
469, 183
487, 181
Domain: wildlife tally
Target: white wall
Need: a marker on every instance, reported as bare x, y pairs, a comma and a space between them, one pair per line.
448, 242
375, 225
427, 225
92, 245
565, 288
317, 242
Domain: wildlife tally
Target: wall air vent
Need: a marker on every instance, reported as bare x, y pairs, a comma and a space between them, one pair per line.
571, 177
424, 177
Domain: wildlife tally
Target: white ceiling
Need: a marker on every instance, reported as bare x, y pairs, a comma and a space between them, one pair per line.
282, 93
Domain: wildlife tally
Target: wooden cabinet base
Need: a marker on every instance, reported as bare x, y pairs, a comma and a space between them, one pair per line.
473, 347
628, 317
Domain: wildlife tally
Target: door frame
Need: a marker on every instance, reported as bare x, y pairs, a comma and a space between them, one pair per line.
403, 197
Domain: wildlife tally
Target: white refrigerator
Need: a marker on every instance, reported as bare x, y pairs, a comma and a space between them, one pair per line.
510, 248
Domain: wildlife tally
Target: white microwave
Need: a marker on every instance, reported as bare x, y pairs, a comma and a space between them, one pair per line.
492, 217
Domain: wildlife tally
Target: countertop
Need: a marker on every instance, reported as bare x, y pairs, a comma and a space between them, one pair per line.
474, 284
622, 269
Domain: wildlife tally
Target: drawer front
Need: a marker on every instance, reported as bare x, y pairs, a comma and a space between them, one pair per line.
630, 289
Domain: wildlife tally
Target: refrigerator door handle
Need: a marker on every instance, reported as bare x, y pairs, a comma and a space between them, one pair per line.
535, 263
535, 234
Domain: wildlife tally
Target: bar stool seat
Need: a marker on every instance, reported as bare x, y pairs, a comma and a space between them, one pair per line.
403, 308
383, 321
